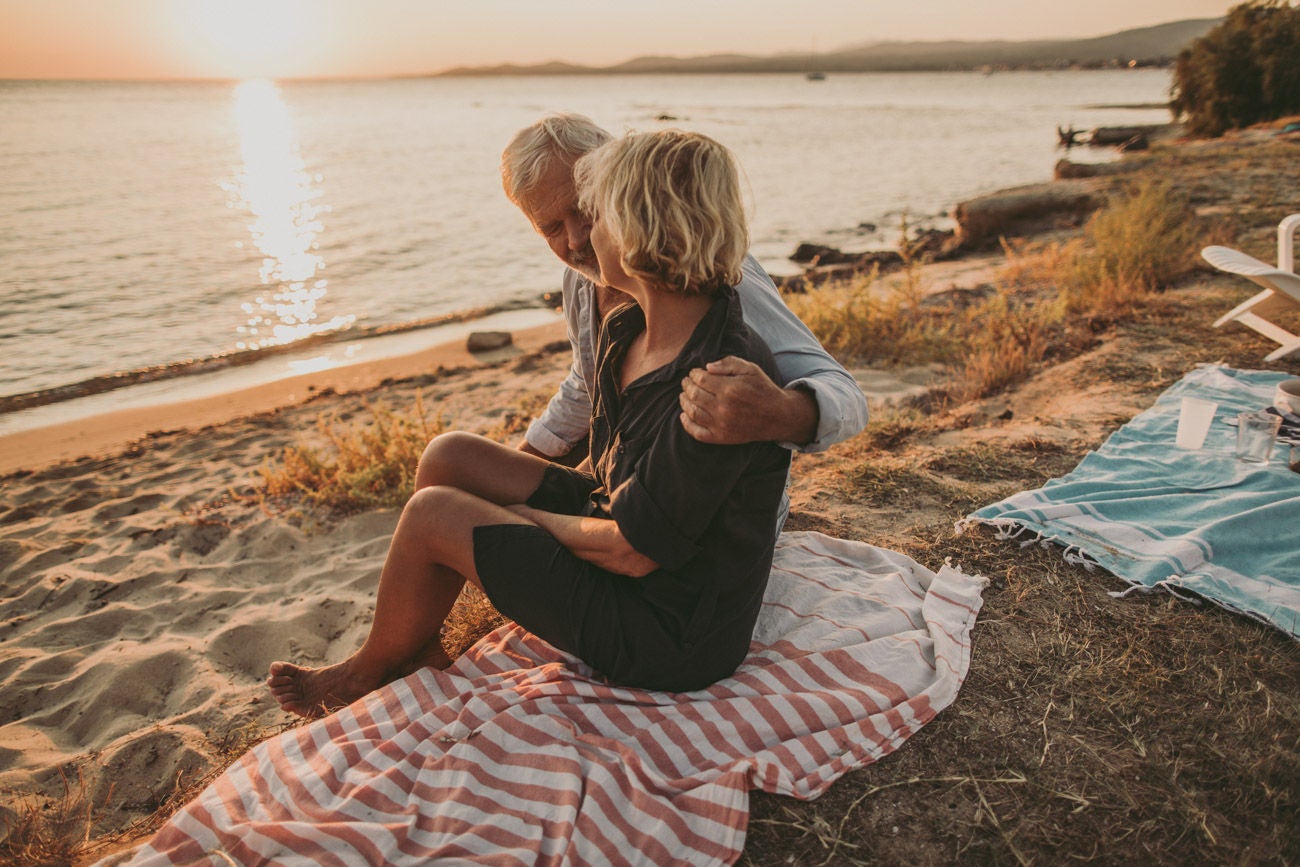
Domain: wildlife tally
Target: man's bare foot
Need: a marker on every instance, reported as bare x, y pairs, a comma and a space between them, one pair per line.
314, 692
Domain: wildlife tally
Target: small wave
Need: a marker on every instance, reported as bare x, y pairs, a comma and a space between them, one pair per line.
188, 367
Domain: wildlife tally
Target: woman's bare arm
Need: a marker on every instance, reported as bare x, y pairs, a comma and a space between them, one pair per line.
596, 540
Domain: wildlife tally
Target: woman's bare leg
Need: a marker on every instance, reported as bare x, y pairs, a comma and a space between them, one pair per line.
431, 557
480, 466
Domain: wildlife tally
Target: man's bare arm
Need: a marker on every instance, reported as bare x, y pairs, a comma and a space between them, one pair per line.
732, 401
577, 457
527, 449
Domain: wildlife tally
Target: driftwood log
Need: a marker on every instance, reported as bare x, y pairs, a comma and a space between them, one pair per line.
1118, 135
1024, 210
1067, 170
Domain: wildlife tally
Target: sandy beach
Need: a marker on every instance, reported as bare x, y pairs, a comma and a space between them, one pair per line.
145, 594
142, 597
146, 588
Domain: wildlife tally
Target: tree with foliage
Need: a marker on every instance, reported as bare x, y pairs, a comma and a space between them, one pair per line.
1244, 71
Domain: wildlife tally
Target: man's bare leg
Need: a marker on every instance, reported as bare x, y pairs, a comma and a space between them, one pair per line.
431, 557
480, 466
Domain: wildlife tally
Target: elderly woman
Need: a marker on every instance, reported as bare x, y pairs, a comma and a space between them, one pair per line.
651, 568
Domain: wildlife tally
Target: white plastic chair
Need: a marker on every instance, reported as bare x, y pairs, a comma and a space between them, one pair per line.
1281, 287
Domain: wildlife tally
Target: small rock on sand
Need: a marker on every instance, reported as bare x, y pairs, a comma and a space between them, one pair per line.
483, 341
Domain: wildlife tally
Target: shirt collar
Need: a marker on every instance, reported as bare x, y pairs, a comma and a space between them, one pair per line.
704, 345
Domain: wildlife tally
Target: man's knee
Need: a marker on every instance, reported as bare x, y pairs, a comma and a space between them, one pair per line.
444, 455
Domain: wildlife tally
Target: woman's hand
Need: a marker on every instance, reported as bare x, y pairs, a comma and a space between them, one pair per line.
621, 559
596, 540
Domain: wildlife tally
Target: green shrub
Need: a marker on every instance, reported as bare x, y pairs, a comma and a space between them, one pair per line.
1244, 71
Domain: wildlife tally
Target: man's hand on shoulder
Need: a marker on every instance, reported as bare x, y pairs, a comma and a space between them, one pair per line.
732, 401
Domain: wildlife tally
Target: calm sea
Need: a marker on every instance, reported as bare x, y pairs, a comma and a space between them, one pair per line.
146, 224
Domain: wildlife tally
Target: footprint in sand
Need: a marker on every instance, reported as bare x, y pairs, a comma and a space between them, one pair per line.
248, 648
118, 689
127, 507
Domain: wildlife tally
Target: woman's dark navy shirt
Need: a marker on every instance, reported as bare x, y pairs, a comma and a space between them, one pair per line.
705, 513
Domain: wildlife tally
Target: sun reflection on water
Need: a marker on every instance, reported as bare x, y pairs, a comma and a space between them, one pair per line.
274, 187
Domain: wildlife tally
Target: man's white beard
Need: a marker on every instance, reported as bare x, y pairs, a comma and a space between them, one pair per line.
587, 266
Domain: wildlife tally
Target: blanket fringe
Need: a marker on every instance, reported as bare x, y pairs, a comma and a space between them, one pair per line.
1176, 590
1010, 529
979, 579
1168, 586
1173, 589
1076, 556
1005, 528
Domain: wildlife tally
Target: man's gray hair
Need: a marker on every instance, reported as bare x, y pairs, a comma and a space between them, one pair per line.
535, 148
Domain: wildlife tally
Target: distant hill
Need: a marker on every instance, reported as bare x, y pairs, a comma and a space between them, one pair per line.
1156, 45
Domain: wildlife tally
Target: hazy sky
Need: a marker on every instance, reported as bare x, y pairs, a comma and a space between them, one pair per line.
204, 38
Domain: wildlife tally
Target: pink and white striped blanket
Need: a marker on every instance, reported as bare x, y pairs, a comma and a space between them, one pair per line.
517, 754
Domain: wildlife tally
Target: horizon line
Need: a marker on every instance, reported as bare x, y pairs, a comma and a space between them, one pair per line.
497, 68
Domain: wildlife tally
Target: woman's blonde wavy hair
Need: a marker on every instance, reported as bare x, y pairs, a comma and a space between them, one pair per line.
672, 202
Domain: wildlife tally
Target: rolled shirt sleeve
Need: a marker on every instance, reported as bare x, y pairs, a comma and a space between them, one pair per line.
841, 408
802, 361
567, 416
565, 420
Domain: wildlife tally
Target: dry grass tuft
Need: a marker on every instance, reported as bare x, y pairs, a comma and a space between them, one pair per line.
855, 319
56, 832
470, 619
1146, 241
229, 749
1053, 298
50, 832
1008, 347
894, 426
1024, 459
361, 466
515, 421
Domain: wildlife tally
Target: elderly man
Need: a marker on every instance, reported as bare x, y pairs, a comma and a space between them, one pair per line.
815, 403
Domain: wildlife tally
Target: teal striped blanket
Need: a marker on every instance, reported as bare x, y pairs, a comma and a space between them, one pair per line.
1159, 516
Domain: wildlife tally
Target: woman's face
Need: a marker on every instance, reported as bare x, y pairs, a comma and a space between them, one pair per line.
608, 255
